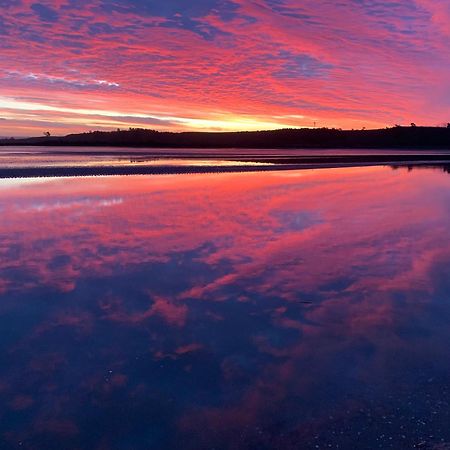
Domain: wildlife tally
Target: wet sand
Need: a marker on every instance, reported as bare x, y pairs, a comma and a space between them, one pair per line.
247, 163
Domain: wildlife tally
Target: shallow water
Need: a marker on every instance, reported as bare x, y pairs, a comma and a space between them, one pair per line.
45, 156
42, 161
302, 309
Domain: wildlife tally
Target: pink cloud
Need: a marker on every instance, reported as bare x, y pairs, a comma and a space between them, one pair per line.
338, 64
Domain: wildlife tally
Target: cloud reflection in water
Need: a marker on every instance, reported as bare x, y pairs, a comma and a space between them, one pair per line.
278, 310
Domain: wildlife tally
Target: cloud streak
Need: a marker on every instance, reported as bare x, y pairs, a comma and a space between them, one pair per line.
220, 64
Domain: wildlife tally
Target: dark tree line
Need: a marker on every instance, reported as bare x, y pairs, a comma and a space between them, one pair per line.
396, 137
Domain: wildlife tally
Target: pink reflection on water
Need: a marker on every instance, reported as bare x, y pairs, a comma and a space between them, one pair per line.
312, 226
340, 261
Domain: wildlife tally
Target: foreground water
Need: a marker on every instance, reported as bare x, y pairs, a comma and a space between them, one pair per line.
290, 310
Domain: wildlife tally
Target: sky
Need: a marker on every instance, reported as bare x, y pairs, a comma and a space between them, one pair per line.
74, 65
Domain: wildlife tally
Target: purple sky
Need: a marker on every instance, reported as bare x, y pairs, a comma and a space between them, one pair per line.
73, 65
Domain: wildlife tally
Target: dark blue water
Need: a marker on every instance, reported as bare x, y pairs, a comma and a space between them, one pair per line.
287, 310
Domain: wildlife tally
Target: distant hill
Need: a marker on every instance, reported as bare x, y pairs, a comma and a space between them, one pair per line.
398, 137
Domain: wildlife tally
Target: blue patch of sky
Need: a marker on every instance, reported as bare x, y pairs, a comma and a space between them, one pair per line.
300, 66
3, 30
178, 13
9, 3
280, 7
45, 13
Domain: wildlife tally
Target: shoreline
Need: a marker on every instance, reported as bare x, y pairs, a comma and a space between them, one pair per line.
80, 171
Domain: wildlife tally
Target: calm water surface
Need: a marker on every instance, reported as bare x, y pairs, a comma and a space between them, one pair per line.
287, 310
45, 156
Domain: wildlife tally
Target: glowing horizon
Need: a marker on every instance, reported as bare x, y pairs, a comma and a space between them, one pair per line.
221, 65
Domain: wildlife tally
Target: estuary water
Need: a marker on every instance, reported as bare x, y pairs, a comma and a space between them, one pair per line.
46, 156
47, 161
290, 310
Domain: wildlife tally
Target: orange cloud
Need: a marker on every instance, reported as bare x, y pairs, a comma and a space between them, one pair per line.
71, 66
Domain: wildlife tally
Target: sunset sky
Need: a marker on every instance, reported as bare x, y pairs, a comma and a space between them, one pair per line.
77, 65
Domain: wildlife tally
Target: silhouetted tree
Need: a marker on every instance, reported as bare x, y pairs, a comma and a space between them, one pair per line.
395, 137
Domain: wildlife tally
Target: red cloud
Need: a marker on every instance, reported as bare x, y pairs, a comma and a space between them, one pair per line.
336, 64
